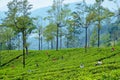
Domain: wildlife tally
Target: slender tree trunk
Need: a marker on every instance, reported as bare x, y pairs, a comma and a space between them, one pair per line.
98, 37
67, 43
23, 35
99, 25
10, 44
57, 37
25, 43
26, 46
39, 41
86, 39
27, 50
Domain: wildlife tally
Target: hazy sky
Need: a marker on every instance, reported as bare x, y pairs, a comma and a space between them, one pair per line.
44, 3
36, 3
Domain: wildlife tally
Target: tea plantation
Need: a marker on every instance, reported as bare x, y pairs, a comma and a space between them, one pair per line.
66, 64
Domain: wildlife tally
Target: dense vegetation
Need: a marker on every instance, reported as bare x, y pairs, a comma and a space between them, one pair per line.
83, 25
82, 42
63, 65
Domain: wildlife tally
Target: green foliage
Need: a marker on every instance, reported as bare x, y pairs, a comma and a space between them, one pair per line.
7, 35
63, 64
90, 17
105, 40
50, 32
18, 18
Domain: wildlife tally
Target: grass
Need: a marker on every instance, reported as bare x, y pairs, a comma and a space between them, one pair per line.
62, 65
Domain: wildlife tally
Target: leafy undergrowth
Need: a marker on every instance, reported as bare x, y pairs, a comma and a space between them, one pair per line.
62, 65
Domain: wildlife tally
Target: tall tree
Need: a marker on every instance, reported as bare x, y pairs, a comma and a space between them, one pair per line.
19, 20
39, 31
83, 17
57, 9
102, 14
99, 20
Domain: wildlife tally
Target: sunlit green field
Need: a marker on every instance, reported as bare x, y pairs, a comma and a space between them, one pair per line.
62, 65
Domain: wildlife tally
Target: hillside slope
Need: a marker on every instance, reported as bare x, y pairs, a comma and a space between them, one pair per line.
69, 64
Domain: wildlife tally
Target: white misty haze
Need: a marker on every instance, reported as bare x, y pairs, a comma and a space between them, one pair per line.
44, 3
